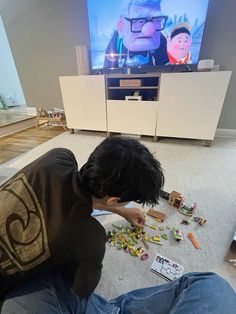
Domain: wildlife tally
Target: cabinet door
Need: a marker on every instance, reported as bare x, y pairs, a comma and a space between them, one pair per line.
190, 104
84, 102
132, 117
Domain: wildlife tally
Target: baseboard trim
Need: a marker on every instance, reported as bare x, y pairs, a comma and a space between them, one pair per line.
225, 133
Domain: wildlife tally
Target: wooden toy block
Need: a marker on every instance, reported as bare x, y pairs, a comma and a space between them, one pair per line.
156, 214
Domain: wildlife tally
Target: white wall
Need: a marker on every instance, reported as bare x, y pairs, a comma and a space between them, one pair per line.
9, 80
42, 35
219, 43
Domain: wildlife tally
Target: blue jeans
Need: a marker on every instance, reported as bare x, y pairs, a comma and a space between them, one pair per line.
201, 293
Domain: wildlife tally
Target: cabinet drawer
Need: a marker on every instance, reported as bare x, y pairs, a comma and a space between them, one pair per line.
133, 117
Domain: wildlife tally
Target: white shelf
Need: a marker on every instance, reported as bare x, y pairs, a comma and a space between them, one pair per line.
133, 87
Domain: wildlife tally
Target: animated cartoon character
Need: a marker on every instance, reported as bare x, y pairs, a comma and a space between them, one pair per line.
138, 39
179, 43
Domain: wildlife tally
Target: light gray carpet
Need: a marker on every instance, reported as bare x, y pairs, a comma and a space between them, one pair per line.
205, 175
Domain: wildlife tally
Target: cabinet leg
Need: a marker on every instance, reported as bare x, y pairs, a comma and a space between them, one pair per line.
156, 138
108, 134
62, 125
72, 131
208, 143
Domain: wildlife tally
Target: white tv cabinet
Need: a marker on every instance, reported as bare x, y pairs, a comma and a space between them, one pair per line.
183, 105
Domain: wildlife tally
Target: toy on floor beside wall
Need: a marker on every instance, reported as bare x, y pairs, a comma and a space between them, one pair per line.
54, 116
177, 200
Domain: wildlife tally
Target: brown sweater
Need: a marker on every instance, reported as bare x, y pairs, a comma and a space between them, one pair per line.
45, 223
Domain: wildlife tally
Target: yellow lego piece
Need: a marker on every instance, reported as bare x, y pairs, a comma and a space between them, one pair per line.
155, 238
153, 227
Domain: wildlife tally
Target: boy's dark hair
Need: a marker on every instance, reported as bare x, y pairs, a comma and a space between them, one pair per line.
124, 168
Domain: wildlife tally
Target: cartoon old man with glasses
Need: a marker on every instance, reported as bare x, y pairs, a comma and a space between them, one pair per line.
138, 39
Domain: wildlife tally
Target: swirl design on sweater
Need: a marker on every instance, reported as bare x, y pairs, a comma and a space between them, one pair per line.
23, 237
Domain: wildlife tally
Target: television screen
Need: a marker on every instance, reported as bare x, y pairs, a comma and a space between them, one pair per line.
127, 33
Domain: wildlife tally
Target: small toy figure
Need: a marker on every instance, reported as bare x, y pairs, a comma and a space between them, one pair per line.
200, 220
178, 235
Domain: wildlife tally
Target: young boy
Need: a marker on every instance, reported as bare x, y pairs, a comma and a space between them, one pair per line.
51, 248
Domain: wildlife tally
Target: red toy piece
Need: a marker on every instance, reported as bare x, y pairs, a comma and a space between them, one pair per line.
144, 257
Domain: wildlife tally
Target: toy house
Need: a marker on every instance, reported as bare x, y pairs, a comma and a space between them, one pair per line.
176, 199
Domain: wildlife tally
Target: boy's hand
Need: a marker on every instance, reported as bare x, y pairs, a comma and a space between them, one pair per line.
133, 215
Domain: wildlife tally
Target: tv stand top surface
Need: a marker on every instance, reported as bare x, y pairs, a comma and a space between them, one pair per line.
122, 75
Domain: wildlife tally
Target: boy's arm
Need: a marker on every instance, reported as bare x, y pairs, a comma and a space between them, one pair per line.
88, 274
133, 215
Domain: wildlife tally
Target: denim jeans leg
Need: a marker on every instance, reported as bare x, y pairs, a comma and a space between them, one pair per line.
205, 293
48, 293
98, 305
194, 293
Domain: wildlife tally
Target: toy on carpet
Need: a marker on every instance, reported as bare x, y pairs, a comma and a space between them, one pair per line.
151, 226
177, 234
160, 217
144, 257
193, 240
177, 200
132, 240
231, 254
164, 236
200, 220
166, 268
126, 239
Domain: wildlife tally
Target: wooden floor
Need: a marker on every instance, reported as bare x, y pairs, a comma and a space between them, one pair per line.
21, 142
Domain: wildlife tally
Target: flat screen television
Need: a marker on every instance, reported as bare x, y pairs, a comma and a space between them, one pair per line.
136, 33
